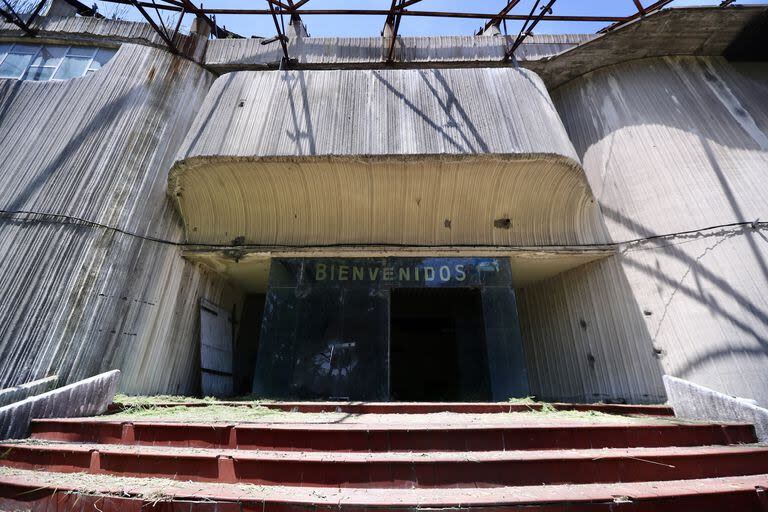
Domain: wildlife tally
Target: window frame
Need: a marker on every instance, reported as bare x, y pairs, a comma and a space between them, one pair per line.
89, 68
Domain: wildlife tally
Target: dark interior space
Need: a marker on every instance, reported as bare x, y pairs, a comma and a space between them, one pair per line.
247, 343
437, 345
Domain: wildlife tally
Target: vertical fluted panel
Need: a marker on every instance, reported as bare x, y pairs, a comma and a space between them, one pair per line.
371, 52
585, 339
82, 297
672, 145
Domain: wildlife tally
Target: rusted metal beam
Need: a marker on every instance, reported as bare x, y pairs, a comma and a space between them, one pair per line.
526, 30
280, 34
393, 23
181, 6
496, 20
163, 35
648, 10
162, 23
12, 16
178, 26
84, 10
385, 12
295, 18
188, 6
427, 14
35, 12
639, 6
280, 5
174, 7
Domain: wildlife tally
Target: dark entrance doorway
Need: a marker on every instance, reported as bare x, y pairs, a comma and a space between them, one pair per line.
437, 345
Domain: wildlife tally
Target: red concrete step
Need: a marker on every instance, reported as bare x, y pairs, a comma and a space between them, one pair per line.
394, 470
381, 438
422, 407
44, 492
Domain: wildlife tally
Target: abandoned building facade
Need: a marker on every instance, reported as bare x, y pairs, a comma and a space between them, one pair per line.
571, 225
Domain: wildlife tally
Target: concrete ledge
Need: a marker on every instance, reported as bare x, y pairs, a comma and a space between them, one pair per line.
691, 401
11, 395
706, 31
87, 397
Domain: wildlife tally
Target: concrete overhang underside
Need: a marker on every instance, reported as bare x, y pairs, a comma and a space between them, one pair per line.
434, 201
248, 269
451, 157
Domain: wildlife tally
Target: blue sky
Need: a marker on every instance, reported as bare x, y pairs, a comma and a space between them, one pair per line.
371, 25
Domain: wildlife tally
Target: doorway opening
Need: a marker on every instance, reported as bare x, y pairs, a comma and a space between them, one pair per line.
437, 345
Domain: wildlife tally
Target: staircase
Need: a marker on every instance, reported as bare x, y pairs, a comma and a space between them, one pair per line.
364, 456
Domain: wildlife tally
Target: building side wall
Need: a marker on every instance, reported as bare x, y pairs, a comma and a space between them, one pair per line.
91, 279
585, 339
672, 145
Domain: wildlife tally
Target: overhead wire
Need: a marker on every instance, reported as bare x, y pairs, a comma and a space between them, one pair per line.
36, 217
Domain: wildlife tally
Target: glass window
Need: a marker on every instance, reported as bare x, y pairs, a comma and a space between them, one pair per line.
82, 51
4, 48
14, 65
26, 48
101, 58
38, 73
50, 62
49, 56
72, 67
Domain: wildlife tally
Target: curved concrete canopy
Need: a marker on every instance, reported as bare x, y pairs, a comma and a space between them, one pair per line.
412, 157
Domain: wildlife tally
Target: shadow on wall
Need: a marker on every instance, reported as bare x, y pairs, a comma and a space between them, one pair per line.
87, 136
80, 297
751, 313
696, 95
585, 338
307, 132
701, 276
303, 132
28, 356
451, 103
710, 118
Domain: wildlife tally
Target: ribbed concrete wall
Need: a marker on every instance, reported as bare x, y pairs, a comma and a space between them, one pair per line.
78, 298
368, 52
670, 145
585, 339
103, 31
426, 157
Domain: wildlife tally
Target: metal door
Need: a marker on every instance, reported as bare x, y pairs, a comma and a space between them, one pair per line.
216, 356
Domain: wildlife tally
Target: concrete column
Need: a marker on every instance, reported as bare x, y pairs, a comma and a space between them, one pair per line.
296, 28
493, 30
60, 8
200, 27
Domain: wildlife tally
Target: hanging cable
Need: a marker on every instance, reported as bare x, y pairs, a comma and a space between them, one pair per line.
34, 217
